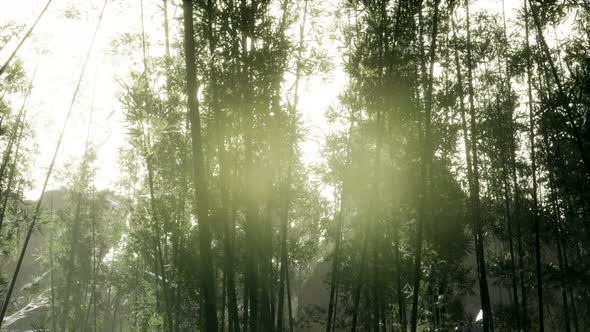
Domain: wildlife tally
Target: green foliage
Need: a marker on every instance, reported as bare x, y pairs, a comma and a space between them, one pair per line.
427, 157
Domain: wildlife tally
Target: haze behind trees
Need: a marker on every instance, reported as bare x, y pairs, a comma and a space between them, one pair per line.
451, 176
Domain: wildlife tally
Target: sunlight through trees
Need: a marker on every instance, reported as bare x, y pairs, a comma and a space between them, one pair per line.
449, 191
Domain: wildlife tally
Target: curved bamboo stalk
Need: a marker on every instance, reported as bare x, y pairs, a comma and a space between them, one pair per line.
25, 37
37, 210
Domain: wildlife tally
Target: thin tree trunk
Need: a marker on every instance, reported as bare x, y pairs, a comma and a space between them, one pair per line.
509, 216
252, 227
200, 181
289, 301
233, 316
396, 218
160, 269
95, 266
70, 265
13, 136
336, 294
16, 135
168, 59
52, 280
509, 221
536, 221
376, 201
571, 295
223, 301
335, 263
425, 169
246, 307
229, 273
560, 256
558, 234
159, 257
284, 253
403, 319
488, 325
25, 37
11, 174
356, 296
519, 237
286, 190
145, 147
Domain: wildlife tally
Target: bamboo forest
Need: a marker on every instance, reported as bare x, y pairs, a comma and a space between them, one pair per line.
295, 165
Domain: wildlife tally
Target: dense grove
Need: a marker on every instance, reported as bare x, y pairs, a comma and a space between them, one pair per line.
451, 192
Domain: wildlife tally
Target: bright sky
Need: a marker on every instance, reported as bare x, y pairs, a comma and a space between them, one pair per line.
57, 48
59, 44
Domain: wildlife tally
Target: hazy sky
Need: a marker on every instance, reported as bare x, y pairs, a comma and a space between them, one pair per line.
57, 49
59, 44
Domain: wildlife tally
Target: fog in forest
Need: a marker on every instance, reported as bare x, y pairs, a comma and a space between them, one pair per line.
295, 165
